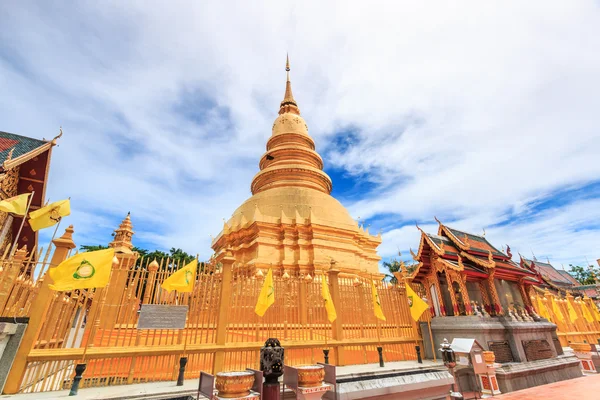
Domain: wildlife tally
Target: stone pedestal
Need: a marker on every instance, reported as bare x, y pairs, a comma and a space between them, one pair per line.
10, 338
583, 352
526, 351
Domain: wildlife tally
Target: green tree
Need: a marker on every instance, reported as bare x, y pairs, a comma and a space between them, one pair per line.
586, 276
395, 266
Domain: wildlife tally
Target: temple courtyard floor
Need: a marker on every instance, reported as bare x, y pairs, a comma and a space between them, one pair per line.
587, 387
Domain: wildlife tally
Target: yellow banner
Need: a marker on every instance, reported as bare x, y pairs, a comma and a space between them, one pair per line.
183, 279
266, 298
49, 215
331, 314
16, 205
376, 302
83, 271
416, 304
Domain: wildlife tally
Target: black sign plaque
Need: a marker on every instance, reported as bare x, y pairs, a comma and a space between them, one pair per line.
502, 351
159, 316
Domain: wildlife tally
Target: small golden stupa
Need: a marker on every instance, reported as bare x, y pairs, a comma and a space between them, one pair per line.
291, 222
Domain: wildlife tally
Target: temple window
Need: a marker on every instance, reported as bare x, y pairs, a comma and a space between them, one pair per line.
474, 292
509, 294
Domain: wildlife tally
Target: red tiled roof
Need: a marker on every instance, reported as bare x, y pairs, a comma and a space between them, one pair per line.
560, 278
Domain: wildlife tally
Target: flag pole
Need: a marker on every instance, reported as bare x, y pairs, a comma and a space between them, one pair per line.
431, 336
12, 250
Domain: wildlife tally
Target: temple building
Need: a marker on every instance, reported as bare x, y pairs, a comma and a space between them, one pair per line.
559, 281
461, 270
24, 169
291, 222
476, 292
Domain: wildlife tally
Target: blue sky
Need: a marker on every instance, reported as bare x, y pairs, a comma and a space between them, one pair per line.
484, 116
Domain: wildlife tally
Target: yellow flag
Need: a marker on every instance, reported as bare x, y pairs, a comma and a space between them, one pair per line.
49, 215
266, 298
586, 312
83, 271
16, 205
556, 310
331, 314
183, 279
572, 312
416, 304
542, 310
376, 302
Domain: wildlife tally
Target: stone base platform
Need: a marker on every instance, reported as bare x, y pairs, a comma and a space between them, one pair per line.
404, 379
518, 376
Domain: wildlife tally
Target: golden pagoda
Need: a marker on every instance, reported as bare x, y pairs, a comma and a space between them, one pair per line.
291, 222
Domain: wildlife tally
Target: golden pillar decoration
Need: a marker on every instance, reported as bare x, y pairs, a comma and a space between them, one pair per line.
39, 308
526, 299
9, 276
226, 259
126, 259
487, 305
496, 305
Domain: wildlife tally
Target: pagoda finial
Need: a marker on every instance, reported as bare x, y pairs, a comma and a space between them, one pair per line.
288, 104
122, 241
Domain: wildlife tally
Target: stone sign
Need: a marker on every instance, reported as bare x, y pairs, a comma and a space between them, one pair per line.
537, 349
502, 351
158, 316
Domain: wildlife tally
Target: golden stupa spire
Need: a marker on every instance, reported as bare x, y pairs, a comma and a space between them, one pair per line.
288, 104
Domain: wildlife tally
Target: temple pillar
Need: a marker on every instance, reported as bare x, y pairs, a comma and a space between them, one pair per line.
336, 326
39, 309
495, 300
227, 261
526, 299
487, 304
303, 299
461, 280
452, 296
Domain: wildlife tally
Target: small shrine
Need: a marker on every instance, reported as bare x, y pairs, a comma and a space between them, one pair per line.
474, 290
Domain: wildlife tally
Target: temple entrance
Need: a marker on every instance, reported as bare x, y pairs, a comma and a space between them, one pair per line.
446, 299
435, 301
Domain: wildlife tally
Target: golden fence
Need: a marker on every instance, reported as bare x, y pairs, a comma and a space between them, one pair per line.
570, 328
222, 332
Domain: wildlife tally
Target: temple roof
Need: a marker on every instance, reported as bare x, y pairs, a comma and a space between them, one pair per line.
546, 270
18, 147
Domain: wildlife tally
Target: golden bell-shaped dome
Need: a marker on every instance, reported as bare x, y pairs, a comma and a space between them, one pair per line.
291, 159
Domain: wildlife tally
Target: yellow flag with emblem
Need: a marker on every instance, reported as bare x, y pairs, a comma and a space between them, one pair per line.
49, 215
83, 271
331, 314
183, 279
416, 304
556, 310
16, 205
595, 311
376, 302
572, 312
266, 298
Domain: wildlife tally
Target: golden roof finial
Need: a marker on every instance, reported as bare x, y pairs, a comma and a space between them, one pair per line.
122, 240
288, 104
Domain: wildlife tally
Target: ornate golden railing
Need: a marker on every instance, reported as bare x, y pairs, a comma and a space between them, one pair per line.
222, 332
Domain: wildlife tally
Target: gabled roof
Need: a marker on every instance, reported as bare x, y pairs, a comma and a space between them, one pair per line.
477, 243
20, 148
546, 270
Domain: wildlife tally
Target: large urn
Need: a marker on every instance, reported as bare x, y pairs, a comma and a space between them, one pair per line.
234, 384
310, 375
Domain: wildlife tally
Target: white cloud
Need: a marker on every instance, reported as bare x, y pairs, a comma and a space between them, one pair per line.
467, 113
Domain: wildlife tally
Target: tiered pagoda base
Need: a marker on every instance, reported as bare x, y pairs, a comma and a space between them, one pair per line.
529, 352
